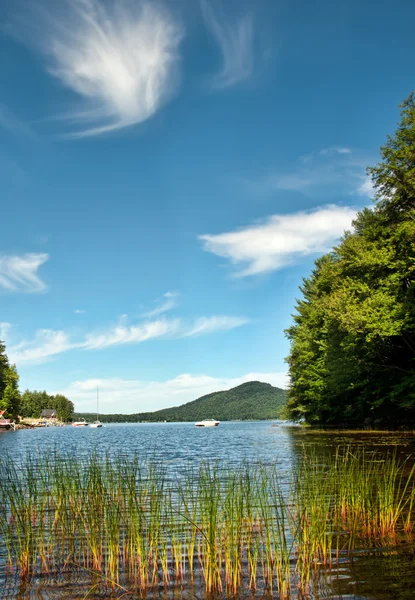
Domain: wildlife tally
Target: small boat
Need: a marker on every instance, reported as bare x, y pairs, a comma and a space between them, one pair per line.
96, 423
81, 423
207, 423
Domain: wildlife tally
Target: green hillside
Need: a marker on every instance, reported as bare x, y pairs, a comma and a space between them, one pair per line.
252, 400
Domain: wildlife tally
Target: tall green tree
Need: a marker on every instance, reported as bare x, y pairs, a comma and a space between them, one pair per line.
9, 385
10, 401
352, 357
4, 367
64, 407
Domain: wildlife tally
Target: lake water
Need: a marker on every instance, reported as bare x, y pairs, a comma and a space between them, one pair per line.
385, 575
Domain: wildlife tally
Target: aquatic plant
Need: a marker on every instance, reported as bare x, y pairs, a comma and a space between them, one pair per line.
137, 527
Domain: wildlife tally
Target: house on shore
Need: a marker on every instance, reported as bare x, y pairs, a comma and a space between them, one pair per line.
48, 413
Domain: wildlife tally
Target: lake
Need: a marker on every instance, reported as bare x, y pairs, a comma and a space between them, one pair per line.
380, 571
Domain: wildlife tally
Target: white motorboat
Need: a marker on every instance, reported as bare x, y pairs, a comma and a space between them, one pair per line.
207, 423
81, 423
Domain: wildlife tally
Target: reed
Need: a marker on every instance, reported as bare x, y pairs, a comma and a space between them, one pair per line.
136, 527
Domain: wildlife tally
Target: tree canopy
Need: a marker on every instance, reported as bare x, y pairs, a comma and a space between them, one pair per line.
9, 385
352, 356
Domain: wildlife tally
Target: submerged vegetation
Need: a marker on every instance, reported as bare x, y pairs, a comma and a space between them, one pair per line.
226, 530
352, 357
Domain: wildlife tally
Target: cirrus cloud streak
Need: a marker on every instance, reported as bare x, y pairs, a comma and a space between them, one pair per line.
48, 343
18, 273
120, 58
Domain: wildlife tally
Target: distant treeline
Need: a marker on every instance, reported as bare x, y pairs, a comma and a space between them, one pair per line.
32, 404
250, 401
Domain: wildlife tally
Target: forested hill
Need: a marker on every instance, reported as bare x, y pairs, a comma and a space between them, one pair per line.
252, 400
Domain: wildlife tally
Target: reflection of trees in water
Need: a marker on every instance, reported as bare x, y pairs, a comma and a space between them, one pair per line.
381, 575
325, 444
376, 568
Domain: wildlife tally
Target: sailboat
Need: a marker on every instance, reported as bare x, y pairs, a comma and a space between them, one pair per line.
97, 423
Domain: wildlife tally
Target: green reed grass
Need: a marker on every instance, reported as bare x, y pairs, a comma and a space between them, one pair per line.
136, 526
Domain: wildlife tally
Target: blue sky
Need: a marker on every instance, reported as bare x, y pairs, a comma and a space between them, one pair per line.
169, 171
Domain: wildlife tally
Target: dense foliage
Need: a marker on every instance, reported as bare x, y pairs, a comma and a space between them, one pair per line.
352, 357
252, 400
33, 403
9, 385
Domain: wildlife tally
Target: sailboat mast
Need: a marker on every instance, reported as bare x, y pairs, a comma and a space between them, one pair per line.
97, 404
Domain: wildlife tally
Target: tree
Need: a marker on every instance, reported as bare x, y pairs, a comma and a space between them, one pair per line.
10, 401
64, 407
4, 367
9, 385
352, 357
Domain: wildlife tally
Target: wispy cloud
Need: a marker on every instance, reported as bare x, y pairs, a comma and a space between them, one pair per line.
14, 125
134, 334
216, 323
48, 343
333, 150
168, 302
335, 168
4, 330
235, 39
79, 311
119, 57
366, 188
18, 273
281, 239
133, 396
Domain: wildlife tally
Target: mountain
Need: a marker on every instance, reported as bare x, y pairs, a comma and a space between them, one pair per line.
252, 400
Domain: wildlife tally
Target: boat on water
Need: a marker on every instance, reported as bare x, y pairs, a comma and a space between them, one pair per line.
207, 423
81, 423
97, 423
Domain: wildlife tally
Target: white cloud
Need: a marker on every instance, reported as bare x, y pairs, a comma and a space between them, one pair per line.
119, 57
19, 273
168, 303
133, 396
79, 311
236, 44
216, 323
281, 239
366, 188
48, 343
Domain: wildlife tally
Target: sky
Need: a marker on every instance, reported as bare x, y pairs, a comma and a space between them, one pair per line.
169, 172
